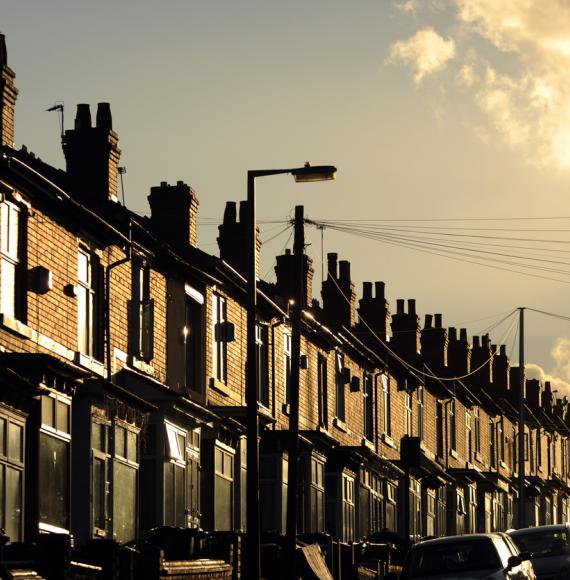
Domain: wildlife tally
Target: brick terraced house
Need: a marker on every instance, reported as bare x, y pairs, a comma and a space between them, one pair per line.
122, 378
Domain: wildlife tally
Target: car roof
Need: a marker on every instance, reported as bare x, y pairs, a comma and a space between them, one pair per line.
538, 529
452, 539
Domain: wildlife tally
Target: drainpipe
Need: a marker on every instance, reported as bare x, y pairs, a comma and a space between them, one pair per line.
110, 267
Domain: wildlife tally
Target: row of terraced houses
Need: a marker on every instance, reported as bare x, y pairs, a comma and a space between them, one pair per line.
122, 398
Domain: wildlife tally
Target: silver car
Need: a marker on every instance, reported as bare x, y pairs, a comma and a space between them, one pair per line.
468, 557
549, 548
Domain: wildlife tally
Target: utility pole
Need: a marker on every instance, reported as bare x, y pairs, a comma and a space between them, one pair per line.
522, 511
293, 446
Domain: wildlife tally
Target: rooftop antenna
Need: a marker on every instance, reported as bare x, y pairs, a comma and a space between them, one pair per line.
122, 170
59, 108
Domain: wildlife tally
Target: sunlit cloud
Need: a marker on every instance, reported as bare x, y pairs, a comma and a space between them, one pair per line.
559, 376
527, 102
426, 52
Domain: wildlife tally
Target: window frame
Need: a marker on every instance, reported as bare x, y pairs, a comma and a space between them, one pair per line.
13, 256
219, 344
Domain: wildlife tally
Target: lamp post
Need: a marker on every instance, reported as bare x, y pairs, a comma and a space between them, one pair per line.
301, 174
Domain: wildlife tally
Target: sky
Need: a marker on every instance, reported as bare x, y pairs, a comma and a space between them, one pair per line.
432, 110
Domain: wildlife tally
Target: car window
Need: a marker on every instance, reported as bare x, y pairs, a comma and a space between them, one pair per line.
514, 550
453, 557
503, 550
541, 543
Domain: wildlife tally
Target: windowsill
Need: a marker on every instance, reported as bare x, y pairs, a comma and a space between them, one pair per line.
220, 387
478, 457
142, 366
454, 454
388, 440
503, 464
15, 326
90, 363
340, 425
286, 408
540, 469
52, 529
368, 444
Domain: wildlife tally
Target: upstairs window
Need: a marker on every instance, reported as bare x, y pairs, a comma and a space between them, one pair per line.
368, 396
287, 346
340, 390
492, 443
193, 338
262, 360
420, 404
220, 344
89, 317
408, 405
12, 292
386, 406
144, 311
468, 436
323, 391
439, 427
477, 428
452, 425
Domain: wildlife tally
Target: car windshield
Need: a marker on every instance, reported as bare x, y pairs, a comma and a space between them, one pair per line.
540, 543
452, 557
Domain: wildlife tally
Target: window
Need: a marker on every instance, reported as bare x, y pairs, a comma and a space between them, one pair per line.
12, 432
12, 294
471, 509
368, 397
340, 394
439, 427
55, 439
348, 512
175, 477
539, 447
125, 482
452, 425
223, 489
143, 311
273, 486
100, 451
390, 515
501, 440
468, 436
323, 391
492, 443
220, 350
408, 404
287, 364
370, 506
193, 338
262, 359
415, 509
386, 406
88, 304
193, 478
477, 425
420, 403
316, 509
430, 513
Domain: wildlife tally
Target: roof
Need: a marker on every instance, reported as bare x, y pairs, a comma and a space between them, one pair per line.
540, 529
452, 539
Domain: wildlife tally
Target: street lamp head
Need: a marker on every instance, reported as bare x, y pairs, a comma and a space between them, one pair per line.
309, 173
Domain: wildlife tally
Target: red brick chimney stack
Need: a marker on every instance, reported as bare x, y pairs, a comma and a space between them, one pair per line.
174, 212
501, 366
232, 238
92, 155
374, 309
434, 343
458, 353
339, 297
481, 363
406, 329
8, 96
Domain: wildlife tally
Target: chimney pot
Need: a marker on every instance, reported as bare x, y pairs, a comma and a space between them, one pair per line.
400, 306
344, 270
428, 320
243, 212
230, 212
463, 334
367, 290
288, 252
83, 117
411, 306
3, 51
452, 333
380, 287
476, 342
437, 319
331, 261
104, 118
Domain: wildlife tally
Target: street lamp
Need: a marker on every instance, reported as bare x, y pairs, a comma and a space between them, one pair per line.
304, 174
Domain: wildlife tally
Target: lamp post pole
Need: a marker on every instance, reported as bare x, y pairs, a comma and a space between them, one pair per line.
253, 536
521, 458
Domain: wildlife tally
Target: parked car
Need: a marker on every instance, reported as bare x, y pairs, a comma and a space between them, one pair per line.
549, 549
468, 557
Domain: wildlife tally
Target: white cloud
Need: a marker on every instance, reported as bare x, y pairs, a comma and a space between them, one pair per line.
559, 376
527, 101
427, 52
